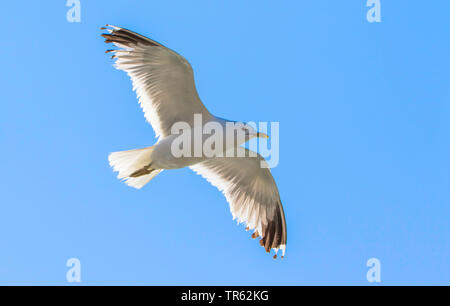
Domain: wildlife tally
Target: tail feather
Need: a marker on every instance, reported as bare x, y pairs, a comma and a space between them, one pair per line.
128, 163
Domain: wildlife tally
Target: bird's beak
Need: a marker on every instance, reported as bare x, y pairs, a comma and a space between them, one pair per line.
262, 135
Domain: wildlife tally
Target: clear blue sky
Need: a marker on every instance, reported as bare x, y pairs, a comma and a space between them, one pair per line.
364, 151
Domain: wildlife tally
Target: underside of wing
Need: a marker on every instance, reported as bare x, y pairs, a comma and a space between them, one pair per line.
252, 194
163, 80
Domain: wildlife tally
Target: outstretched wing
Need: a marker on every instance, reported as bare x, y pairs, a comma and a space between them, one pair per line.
252, 194
162, 79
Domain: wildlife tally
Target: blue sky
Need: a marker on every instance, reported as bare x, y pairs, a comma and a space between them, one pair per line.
364, 143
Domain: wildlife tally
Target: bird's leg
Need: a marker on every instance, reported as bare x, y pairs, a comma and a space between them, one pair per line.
143, 171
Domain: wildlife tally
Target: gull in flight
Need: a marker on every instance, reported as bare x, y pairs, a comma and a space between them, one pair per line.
164, 83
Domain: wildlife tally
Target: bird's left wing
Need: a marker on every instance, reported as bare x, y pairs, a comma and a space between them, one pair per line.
252, 194
163, 79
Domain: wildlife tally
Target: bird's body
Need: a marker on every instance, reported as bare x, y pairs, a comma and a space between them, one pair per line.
165, 86
163, 158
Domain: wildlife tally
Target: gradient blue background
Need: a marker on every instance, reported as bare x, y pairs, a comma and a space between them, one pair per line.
364, 155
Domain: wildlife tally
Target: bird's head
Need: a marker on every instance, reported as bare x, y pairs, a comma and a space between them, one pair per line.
250, 132
240, 132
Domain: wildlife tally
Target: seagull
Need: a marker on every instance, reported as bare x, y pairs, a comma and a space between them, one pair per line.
164, 83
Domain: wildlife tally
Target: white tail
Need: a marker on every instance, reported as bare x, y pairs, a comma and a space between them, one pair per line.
128, 162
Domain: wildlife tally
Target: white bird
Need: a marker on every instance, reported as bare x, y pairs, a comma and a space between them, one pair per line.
164, 83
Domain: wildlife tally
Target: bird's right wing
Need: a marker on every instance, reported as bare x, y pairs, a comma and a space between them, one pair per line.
252, 194
162, 79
